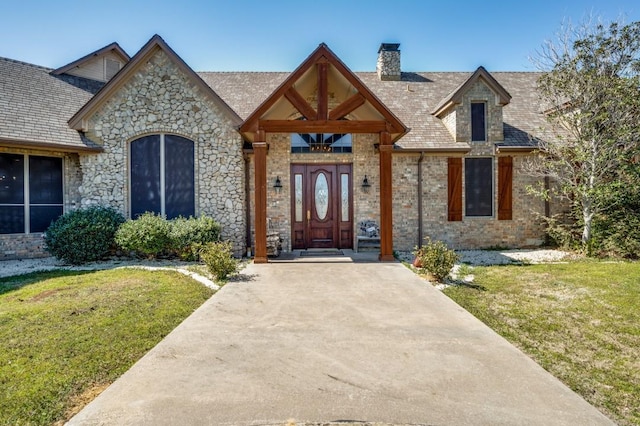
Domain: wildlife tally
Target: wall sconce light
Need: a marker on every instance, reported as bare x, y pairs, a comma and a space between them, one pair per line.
365, 185
277, 185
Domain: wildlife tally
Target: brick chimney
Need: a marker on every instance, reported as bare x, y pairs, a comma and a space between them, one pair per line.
388, 66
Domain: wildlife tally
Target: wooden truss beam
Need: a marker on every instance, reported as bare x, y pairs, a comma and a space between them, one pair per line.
328, 126
300, 103
347, 107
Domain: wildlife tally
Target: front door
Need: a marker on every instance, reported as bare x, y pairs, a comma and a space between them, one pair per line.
321, 206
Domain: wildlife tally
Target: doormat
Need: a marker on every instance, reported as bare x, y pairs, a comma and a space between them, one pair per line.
321, 252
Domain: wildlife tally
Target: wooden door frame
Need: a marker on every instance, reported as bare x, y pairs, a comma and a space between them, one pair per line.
342, 230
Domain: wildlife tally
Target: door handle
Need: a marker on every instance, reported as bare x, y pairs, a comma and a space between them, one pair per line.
308, 215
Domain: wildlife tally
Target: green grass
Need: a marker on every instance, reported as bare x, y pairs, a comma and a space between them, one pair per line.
64, 336
580, 321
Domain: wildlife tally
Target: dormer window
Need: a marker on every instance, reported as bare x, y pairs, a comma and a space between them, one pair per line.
478, 122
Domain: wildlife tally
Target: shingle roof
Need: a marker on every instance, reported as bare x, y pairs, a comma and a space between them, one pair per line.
35, 105
412, 99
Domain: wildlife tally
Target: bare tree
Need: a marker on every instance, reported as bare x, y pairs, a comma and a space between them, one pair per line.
590, 84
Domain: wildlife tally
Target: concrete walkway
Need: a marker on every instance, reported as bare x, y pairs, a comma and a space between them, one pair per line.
335, 339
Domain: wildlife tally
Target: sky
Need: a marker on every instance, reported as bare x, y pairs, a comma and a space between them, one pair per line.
277, 35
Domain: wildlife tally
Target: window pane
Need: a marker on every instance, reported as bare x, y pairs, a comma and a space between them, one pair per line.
179, 177
145, 175
344, 196
298, 190
11, 179
478, 187
322, 196
321, 143
477, 122
11, 220
42, 216
45, 180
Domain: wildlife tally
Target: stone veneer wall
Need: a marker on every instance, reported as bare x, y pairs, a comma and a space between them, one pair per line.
388, 65
364, 160
159, 98
26, 246
474, 232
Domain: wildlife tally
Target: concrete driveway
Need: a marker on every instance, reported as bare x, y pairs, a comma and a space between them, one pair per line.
335, 339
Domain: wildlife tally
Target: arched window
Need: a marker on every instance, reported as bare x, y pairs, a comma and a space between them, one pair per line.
162, 176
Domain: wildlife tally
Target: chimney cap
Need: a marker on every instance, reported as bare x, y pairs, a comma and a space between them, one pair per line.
388, 47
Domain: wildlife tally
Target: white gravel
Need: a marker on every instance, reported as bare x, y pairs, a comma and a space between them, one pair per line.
25, 266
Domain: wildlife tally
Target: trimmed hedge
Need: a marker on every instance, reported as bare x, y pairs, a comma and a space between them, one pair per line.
83, 235
152, 236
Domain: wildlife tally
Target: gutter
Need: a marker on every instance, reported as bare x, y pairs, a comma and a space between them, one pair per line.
247, 200
48, 146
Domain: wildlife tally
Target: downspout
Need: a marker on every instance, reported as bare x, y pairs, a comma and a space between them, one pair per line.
247, 202
420, 199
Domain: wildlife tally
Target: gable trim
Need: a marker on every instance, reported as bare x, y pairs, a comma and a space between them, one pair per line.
79, 120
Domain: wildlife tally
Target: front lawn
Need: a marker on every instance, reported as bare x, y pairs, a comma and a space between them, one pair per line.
64, 336
580, 321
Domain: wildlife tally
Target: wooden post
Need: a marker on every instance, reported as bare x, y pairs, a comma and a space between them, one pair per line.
386, 199
260, 176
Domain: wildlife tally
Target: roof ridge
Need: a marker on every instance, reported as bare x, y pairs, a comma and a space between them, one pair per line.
244, 72
15, 61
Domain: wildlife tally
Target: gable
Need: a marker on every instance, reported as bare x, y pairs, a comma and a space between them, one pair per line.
322, 95
480, 75
156, 47
101, 65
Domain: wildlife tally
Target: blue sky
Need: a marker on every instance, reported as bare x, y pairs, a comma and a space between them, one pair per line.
273, 35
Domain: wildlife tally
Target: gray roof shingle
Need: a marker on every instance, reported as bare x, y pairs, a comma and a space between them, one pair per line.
412, 99
35, 105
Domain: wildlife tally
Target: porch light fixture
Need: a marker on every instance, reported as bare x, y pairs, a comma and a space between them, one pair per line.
277, 185
365, 185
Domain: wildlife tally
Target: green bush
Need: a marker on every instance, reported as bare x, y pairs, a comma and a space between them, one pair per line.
83, 235
149, 235
188, 236
219, 259
436, 258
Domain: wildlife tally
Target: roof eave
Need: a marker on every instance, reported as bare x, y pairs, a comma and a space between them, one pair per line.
515, 149
48, 146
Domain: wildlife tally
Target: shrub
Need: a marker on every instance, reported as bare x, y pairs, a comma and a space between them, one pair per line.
188, 236
83, 235
436, 258
149, 235
219, 259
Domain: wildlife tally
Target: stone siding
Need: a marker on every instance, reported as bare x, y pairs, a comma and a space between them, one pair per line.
160, 98
388, 65
27, 246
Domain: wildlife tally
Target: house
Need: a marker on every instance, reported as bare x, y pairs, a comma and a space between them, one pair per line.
307, 154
